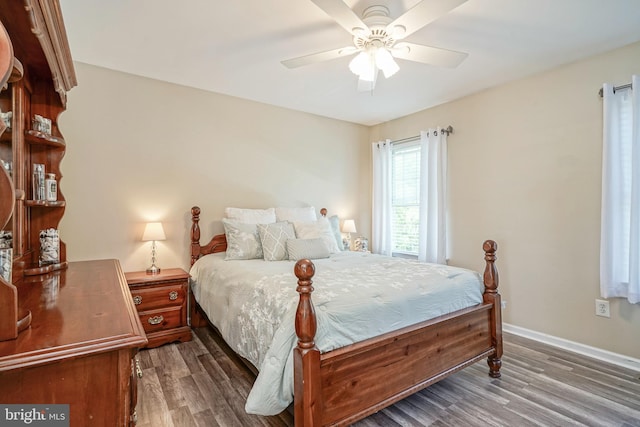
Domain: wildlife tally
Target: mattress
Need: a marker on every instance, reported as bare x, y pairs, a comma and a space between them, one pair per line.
357, 296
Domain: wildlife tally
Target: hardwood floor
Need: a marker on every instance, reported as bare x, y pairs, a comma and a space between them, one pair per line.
201, 383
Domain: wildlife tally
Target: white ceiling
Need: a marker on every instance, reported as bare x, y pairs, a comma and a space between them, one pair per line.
235, 47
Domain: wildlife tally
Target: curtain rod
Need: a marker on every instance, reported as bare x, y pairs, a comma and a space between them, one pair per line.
448, 130
615, 88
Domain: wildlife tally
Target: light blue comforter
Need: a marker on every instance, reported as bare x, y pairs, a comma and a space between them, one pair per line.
357, 296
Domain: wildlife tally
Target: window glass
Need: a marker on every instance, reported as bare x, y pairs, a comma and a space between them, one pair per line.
405, 197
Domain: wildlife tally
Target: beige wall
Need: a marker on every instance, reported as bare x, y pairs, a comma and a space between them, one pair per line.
524, 170
525, 165
140, 149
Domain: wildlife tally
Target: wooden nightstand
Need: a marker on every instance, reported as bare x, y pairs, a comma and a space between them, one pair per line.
161, 301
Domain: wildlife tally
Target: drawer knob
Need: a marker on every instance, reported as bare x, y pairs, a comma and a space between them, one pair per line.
173, 295
155, 320
137, 300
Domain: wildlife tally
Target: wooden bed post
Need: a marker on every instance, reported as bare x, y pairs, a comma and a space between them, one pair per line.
306, 356
195, 234
492, 296
196, 319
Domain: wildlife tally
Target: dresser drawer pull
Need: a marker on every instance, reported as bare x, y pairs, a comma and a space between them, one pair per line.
138, 369
173, 295
155, 320
137, 300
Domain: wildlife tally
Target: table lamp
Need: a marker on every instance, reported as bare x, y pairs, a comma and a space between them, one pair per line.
349, 226
153, 231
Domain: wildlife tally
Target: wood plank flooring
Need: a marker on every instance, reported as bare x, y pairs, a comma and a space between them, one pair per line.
201, 383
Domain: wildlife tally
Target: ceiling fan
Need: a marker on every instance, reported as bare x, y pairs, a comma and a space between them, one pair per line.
377, 39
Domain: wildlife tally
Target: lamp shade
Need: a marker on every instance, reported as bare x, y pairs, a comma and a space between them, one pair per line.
153, 231
386, 63
349, 226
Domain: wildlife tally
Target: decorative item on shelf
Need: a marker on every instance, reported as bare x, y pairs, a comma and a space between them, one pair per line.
39, 192
51, 186
41, 124
348, 227
6, 239
362, 244
6, 118
6, 264
49, 247
153, 232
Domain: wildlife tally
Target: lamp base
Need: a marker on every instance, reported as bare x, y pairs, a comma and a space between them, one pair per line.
153, 269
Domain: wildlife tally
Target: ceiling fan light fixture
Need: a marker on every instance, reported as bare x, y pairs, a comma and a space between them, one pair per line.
362, 65
386, 63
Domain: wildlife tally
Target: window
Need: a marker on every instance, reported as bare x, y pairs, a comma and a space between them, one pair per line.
405, 198
410, 197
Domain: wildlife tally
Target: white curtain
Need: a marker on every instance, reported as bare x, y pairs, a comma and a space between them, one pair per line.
381, 215
620, 213
433, 196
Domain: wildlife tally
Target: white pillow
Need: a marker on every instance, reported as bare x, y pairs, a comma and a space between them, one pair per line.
251, 216
317, 229
243, 241
306, 248
306, 214
274, 240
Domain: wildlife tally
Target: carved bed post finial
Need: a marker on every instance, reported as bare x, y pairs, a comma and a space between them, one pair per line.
490, 272
323, 211
492, 296
306, 356
305, 314
195, 234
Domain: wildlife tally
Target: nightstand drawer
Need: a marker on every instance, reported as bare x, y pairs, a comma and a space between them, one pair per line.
158, 320
159, 297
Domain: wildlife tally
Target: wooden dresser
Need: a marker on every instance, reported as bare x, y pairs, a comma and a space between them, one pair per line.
80, 347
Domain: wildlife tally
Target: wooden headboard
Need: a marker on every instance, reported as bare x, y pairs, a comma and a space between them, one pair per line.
218, 243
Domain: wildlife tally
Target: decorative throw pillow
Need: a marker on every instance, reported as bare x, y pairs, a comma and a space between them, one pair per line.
335, 229
243, 241
307, 248
317, 229
274, 240
251, 216
306, 214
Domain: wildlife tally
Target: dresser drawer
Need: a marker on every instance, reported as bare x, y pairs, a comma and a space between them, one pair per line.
159, 297
158, 320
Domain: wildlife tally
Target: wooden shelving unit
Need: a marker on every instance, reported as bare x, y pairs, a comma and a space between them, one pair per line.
38, 73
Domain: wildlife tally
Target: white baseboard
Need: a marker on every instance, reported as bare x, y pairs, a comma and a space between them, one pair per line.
585, 350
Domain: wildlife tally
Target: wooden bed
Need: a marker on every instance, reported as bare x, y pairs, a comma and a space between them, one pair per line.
347, 384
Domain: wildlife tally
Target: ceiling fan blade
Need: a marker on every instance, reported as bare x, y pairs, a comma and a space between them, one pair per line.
420, 15
319, 57
428, 54
341, 13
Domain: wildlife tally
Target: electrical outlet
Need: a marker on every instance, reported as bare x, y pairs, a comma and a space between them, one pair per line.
602, 308
503, 304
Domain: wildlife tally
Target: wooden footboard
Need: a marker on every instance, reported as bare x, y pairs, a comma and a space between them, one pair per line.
350, 383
